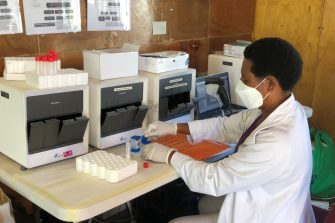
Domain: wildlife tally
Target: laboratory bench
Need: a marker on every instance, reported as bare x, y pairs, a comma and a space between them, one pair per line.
73, 196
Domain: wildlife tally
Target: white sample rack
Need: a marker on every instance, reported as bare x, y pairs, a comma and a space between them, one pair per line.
107, 166
63, 78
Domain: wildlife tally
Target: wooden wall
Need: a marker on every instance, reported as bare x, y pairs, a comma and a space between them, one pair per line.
229, 21
309, 25
196, 26
324, 90
299, 23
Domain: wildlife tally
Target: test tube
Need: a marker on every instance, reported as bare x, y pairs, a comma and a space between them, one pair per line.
135, 142
54, 61
128, 148
43, 65
54, 67
37, 65
48, 65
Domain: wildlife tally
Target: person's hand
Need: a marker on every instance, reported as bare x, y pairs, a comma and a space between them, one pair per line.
156, 152
161, 128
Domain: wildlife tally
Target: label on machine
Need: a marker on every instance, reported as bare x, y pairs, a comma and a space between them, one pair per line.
175, 86
123, 88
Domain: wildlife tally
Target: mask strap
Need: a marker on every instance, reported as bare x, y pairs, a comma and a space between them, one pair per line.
261, 82
266, 95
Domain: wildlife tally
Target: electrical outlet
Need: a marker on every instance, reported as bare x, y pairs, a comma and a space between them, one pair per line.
159, 28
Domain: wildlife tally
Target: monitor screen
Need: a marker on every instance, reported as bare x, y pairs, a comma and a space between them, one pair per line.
208, 106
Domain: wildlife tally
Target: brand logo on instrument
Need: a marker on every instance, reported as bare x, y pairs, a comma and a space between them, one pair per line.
64, 154
55, 102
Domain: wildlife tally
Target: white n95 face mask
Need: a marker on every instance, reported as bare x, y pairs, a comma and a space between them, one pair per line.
250, 96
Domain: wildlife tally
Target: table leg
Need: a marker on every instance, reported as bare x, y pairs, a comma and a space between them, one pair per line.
37, 214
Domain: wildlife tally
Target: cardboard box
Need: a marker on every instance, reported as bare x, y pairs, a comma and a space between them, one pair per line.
111, 63
163, 61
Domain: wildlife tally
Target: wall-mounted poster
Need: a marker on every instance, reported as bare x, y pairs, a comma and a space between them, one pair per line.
51, 16
10, 17
108, 15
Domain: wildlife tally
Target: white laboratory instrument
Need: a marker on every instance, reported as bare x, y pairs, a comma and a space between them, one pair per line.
118, 110
218, 63
42, 126
170, 95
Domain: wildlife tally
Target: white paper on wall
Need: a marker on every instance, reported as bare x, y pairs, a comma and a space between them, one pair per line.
10, 17
51, 16
108, 15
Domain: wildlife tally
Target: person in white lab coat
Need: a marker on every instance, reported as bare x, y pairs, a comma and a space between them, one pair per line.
267, 179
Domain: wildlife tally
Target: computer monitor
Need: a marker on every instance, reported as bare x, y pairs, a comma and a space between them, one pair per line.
208, 106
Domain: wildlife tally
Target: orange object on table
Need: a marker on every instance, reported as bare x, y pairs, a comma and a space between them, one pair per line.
198, 151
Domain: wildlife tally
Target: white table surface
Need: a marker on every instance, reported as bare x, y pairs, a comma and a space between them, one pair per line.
69, 195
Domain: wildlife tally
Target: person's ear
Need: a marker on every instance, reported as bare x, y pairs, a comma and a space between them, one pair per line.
272, 83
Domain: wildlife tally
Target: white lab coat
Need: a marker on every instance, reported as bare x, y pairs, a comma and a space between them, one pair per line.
268, 179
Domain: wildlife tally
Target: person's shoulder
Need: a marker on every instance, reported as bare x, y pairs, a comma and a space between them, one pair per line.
247, 113
250, 114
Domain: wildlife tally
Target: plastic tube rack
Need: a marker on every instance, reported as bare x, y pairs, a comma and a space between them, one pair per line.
107, 166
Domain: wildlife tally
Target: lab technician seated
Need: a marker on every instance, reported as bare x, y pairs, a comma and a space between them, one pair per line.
267, 179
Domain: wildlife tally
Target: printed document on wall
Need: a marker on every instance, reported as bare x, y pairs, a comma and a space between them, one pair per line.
108, 15
10, 17
51, 16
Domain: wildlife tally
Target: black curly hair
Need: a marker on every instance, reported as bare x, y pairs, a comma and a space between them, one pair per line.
276, 57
